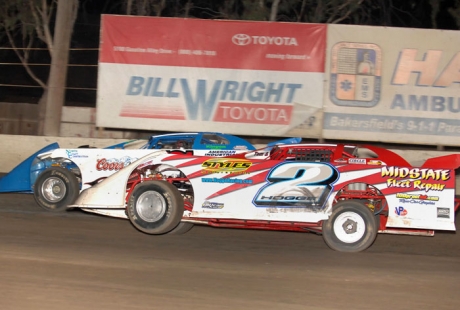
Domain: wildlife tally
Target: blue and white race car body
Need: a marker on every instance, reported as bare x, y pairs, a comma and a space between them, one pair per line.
92, 165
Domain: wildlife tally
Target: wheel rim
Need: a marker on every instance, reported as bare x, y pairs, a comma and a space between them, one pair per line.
53, 189
349, 227
151, 206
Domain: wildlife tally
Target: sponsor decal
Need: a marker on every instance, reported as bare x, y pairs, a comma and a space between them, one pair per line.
231, 181
74, 154
212, 205
415, 201
400, 211
375, 162
240, 147
417, 196
225, 165
259, 154
355, 74
415, 177
287, 198
214, 146
444, 213
340, 161
360, 161
220, 153
416, 173
243, 39
114, 164
145, 164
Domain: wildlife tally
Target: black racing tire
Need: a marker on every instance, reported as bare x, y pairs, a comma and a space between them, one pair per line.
181, 229
352, 227
155, 207
55, 189
377, 221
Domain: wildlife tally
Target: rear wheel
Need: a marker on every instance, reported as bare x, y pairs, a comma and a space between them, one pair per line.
155, 207
56, 188
352, 227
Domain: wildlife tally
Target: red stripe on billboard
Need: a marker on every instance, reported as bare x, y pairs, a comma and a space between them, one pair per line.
140, 111
297, 47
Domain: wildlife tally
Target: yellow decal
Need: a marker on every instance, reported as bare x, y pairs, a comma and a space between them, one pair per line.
225, 165
416, 173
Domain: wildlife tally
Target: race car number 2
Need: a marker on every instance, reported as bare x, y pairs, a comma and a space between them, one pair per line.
294, 184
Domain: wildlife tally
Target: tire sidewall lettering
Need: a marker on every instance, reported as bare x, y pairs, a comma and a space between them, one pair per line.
174, 207
165, 217
62, 176
70, 182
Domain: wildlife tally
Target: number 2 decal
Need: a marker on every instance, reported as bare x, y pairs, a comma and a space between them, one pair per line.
297, 184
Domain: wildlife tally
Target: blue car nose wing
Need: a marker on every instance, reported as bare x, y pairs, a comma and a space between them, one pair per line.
19, 179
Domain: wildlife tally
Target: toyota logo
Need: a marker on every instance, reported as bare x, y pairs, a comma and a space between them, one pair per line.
241, 39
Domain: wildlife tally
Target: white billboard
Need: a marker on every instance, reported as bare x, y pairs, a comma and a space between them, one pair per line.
239, 77
393, 85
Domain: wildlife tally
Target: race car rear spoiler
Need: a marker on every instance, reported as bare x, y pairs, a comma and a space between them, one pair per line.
451, 161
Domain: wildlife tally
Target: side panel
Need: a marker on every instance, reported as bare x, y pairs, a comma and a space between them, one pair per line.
417, 197
97, 164
259, 190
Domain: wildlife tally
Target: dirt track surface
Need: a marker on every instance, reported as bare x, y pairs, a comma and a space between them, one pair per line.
75, 260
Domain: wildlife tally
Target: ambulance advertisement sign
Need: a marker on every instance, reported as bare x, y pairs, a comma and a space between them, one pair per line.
239, 77
392, 84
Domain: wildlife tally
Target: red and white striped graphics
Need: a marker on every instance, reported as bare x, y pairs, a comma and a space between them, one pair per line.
268, 189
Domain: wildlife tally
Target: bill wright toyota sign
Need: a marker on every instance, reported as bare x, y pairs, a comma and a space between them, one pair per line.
239, 77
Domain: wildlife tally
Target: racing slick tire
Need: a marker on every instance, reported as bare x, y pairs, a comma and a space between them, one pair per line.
181, 229
55, 189
352, 227
155, 207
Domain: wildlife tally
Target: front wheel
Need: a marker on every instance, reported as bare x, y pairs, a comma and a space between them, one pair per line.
55, 189
181, 229
155, 207
351, 227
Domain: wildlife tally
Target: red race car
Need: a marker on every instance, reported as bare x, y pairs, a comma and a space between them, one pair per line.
346, 193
